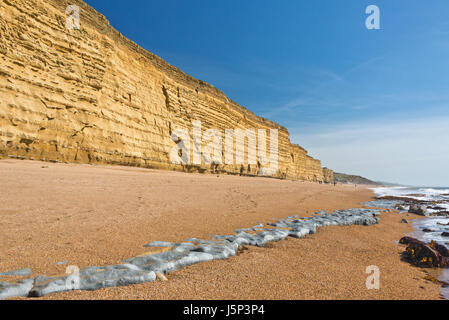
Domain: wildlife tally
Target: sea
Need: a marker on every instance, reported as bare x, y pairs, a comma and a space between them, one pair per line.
436, 201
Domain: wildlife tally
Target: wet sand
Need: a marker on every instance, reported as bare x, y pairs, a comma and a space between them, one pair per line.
98, 215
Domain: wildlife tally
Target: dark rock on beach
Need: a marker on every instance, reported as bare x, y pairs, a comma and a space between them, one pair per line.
423, 254
419, 210
441, 214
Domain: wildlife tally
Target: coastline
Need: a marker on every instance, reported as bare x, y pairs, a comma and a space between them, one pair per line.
68, 217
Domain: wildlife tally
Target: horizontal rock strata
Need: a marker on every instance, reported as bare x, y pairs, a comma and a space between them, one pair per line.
92, 96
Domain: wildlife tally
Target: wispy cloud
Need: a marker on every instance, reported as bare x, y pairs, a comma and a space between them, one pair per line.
314, 96
410, 151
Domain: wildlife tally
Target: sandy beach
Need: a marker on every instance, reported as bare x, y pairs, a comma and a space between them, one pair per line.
88, 215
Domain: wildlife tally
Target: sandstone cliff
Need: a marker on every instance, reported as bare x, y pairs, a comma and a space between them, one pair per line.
93, 96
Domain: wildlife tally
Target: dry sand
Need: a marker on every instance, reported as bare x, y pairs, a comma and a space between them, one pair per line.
97, 215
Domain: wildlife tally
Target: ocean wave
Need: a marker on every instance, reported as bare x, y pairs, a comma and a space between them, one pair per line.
422, 194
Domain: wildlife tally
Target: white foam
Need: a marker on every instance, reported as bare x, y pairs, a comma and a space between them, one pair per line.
423, 194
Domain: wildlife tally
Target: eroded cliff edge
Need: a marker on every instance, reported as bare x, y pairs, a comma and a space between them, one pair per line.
93, 96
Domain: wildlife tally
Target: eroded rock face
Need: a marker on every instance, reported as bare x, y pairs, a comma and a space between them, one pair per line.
93, 96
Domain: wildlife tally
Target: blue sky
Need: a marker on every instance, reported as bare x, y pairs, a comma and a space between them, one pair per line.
368, 102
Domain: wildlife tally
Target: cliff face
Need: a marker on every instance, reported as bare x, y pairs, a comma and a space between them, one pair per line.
93, 96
